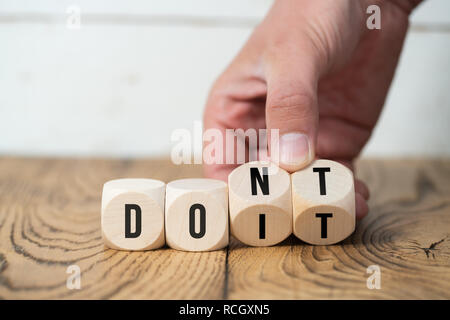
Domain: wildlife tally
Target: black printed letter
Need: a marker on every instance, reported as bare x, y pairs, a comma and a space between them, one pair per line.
202, 210
321, 171
262, 226
323, 217
263, 182
137, 210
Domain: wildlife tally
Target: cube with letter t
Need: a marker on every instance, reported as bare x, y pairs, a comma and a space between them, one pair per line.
323, 198
260, 203
133, 214
197, 214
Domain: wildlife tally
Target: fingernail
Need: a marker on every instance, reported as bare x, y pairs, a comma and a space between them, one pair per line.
295, 150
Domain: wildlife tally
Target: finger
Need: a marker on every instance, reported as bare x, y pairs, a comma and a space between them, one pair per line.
214, 162
234, 106
361, 206
291, 106
361, 188
219, 172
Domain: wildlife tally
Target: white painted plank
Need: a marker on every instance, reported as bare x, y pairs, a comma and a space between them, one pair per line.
432, 12
106, 90
220, 8
429, 12
122, 90
416, 116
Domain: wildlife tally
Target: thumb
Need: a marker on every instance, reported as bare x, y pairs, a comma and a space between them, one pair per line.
291, 106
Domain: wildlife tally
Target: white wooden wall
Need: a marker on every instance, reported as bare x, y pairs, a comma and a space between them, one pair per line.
136, 70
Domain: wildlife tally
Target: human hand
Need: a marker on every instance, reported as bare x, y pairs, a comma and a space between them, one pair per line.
313, 70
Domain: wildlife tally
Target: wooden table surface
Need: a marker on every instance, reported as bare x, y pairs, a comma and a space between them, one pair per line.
50, 220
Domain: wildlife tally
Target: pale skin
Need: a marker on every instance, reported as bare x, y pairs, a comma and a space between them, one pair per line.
313, 70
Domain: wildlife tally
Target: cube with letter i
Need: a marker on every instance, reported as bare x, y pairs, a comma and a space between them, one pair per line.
197, 214
323, 199
260, 203
133, 214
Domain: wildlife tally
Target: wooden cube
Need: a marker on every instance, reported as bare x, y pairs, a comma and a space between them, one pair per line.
260, 203
197, 214
323, 199
133, 214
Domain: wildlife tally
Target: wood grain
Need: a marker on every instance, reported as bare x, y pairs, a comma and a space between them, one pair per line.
407, 234
50, 219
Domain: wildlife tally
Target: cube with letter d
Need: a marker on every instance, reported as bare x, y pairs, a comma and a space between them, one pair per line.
133, 214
